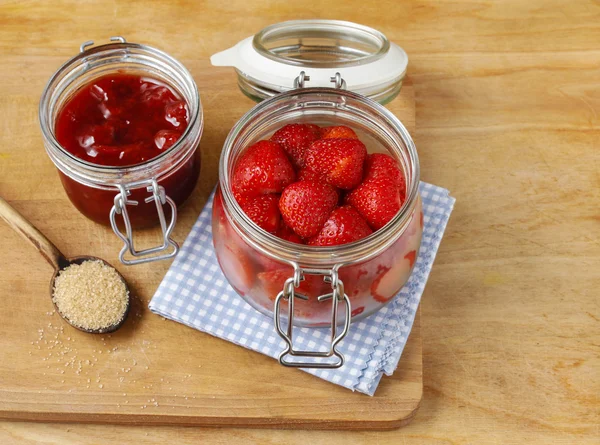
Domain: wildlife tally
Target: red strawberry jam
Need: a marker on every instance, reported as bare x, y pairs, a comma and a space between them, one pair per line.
121, 119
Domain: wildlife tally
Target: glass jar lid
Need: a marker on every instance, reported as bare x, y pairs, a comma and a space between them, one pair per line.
327, 52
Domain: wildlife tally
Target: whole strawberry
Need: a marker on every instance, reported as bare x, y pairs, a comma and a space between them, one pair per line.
380, 165
264, 211
272, 281
315, 129
338, 132
386, 284
238, 267
295, 139
344, 225
308, 175
339, 161
284, 232
377, 200
264, 168
306, 205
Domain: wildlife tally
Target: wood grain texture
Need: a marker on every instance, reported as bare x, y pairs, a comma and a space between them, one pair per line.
507, 105
154, 371
31, 234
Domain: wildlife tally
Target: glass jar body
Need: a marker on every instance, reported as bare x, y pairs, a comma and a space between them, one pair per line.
372, 270
93, 188
259, 278
95, 203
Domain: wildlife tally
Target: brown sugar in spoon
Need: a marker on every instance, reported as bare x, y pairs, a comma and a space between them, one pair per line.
58, 261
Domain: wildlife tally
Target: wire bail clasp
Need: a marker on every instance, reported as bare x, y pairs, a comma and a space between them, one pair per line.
160, 198
338, 81
301, 80
289, 294
84, 46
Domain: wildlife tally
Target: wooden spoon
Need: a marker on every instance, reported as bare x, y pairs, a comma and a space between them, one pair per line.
56, 259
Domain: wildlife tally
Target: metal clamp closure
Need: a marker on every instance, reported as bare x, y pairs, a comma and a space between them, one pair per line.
289, 294
300, 81
338, 81
89, 43
120, 208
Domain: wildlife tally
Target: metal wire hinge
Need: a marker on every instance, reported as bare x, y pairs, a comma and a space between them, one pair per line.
300, 81
338, 81
289, 294
89, 43
120, 208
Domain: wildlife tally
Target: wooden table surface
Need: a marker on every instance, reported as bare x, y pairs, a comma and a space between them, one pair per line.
508, 96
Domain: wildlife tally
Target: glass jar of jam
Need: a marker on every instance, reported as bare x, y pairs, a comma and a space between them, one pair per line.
122, 122
304, 285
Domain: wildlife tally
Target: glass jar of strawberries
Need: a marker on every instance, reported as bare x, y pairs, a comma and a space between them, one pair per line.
317, 219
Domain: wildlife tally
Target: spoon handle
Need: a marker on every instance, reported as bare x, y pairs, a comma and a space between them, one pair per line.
33, 235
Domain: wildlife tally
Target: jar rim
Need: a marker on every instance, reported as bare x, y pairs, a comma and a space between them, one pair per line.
292, 253
270, 62
57, 152
375, 42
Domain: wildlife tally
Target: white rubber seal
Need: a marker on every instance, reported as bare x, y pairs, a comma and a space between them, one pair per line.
364, 79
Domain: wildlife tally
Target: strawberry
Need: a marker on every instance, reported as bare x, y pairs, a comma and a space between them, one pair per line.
295, 139
165, 139
338, 132
391, 279
344, 225
264, 211
306, 205
264, 168
308, 175
284, 232
411, 257
357, 280
357, 311
381, 288
377, 200
312, 286
340, 161
237, 267
176, 114
218, 213
380, 165
315, 129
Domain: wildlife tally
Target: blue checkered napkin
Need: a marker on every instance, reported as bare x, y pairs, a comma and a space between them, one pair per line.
196, 293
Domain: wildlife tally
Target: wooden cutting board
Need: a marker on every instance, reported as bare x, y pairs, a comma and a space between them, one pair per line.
153, 371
